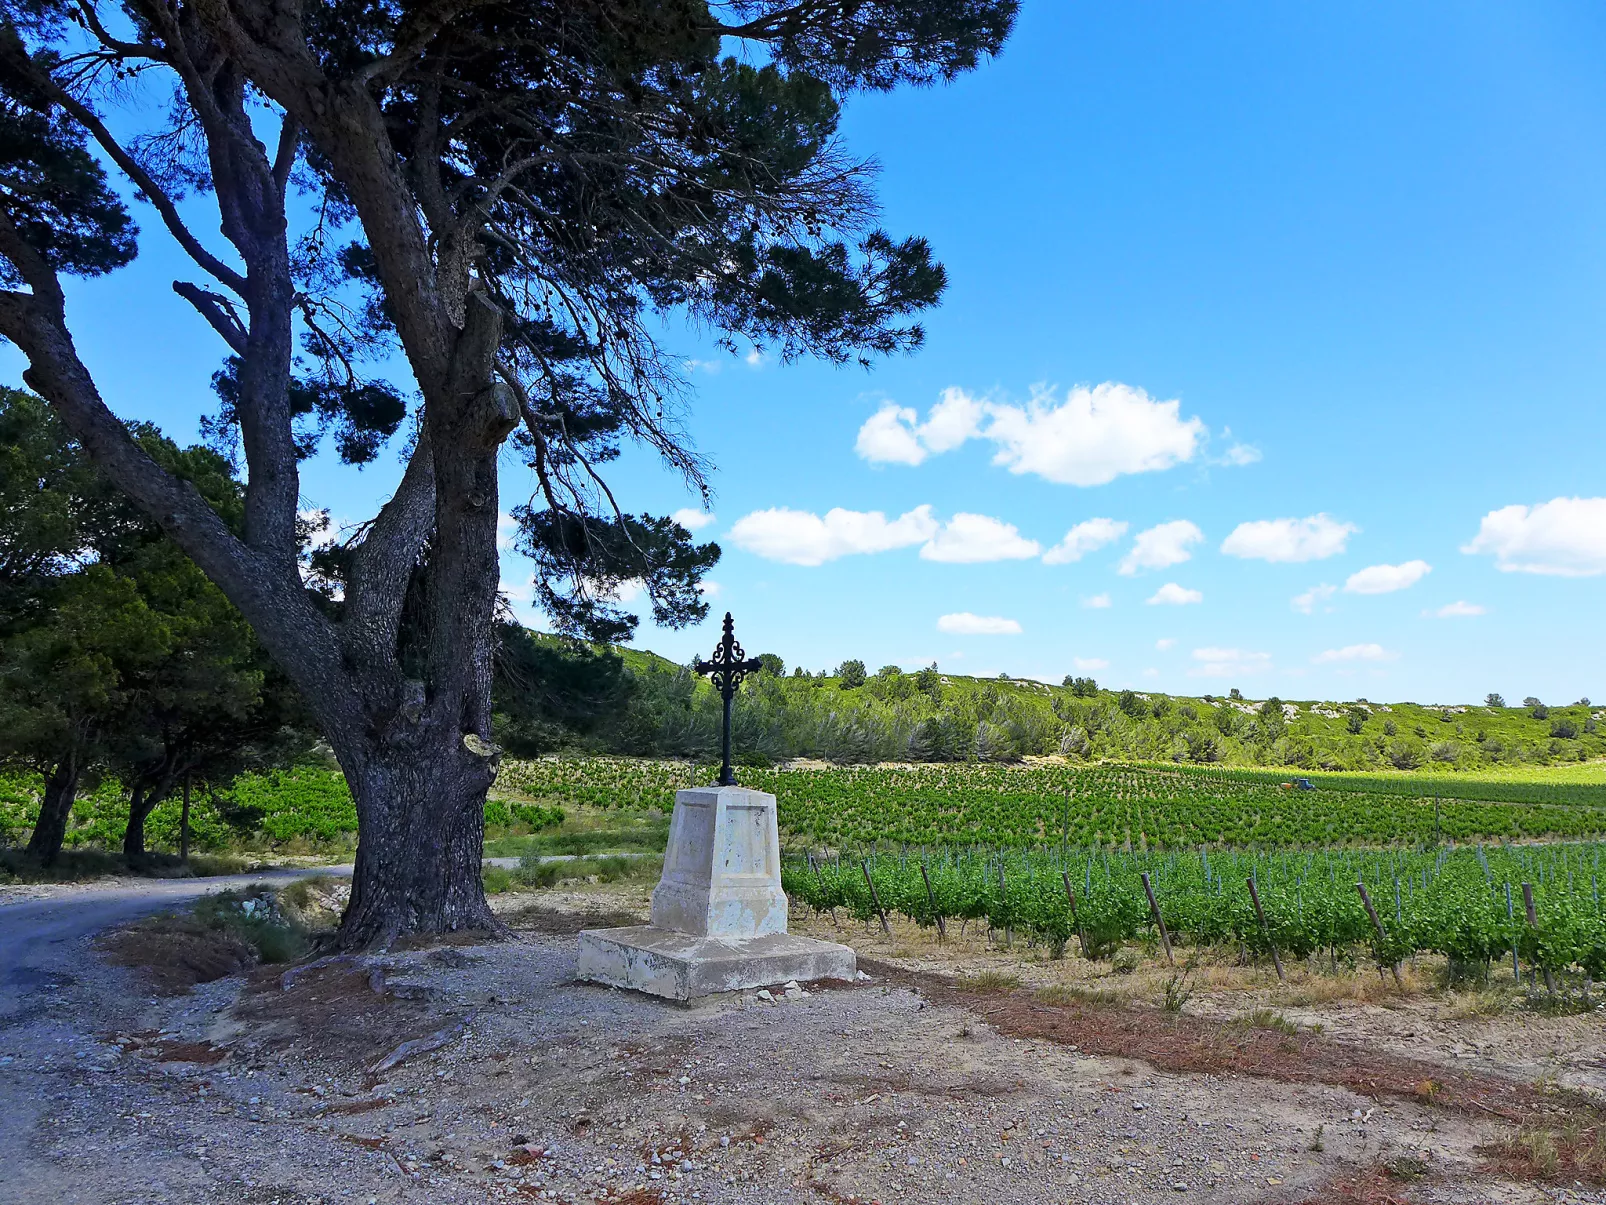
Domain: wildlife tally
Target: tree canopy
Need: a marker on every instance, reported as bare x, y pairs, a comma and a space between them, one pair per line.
512, 200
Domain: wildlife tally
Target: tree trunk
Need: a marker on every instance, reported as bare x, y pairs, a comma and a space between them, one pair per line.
421, 826
140, 805
50, 829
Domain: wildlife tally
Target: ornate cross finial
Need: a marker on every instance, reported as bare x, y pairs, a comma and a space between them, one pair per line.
726, 669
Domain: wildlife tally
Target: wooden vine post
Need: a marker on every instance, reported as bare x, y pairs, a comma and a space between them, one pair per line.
931, 899
1075, 919
1165, 938
875, 899
1382, 935
1533, 923
1265, 929
824, 892
1516, 968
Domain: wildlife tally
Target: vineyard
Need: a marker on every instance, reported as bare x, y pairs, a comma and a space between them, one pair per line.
1466, 904
1119, 807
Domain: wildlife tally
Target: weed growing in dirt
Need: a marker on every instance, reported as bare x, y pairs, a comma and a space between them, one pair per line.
1265, 1018
989, 982
1177, 991
1063, 994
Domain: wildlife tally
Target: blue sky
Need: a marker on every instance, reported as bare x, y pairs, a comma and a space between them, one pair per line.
1295, 316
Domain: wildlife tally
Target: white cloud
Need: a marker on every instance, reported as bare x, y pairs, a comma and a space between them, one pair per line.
692, 519
1090, 437
1313, 598
1460, 609
799, 537
1094, 435
709, 589
1239, 455
1161, 546
711, 367
754, 358
1354, 652
1385, 579
973, 539
1565, 537
1097, 603
1164, 643
1228, 663
1084, 538
1173, 595
887, 437
1151, 672
957, 417
1090, 664
963, 623
1288, 540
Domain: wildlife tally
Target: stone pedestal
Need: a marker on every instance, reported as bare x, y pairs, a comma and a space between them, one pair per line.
718, 913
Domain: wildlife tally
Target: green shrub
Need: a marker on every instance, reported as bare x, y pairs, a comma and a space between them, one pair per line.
256, 919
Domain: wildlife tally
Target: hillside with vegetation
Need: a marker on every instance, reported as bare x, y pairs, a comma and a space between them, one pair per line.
615, 700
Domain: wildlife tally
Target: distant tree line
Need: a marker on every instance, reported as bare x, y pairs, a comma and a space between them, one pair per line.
620, 701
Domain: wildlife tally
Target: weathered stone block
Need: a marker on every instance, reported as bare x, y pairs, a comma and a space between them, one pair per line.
683, 966
722, 870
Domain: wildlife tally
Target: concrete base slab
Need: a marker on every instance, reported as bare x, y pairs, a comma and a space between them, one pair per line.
682, 966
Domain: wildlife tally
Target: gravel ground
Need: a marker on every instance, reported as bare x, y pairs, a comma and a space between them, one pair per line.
247, 1090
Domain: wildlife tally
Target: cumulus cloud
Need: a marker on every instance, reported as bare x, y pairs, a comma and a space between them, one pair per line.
1385, 579
1161, 546
692, 519
1460, 609
1173, 595
1097, 603
1090, 664
1088, 437
973, 539
963, 623
1307, 602
1565, 537
804, 538
1227, 663
1084, 538
1289, 540
799, 537
1354, 652
1164, 643
888, 437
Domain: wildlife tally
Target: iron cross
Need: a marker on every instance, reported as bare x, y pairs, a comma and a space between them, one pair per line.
726, 669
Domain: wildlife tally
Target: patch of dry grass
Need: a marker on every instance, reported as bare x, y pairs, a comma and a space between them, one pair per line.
174, 953
1573, 1150
988, 982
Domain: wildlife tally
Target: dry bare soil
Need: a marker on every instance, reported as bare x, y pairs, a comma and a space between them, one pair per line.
958, 1072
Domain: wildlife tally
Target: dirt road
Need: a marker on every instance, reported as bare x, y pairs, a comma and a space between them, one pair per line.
259, 1090
40, 936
